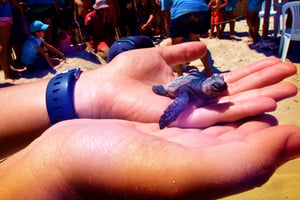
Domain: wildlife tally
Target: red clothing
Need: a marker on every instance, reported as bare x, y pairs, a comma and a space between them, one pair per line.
99, 28
217, 17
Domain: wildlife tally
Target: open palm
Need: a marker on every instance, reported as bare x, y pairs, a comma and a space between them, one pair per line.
125, 86
116, 158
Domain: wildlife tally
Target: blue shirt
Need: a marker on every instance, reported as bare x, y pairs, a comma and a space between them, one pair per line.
254, 5
29, 50
181, 7
231, 5
5, 9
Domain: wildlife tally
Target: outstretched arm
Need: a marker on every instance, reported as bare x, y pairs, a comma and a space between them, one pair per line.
107, 159
122, 90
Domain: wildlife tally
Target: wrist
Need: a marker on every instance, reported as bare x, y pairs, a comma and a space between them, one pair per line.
93, 94
60, 96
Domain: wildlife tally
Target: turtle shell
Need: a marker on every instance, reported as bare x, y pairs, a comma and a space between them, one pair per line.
173, 85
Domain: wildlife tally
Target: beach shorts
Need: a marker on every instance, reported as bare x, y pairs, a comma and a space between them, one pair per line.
5, 14
217, 17
39, 64
254, 5
41, 11
195, 22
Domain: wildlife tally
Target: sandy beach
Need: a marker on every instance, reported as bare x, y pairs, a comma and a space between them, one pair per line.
227, 54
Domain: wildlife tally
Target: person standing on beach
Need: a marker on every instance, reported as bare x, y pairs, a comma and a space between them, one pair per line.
253, 19
81, 9
217, 16
147, 21
6, 25
127, 20
229, 16
189, 18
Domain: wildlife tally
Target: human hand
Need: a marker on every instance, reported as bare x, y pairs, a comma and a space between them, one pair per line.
89, 47
121, 159
122, 89
144, 26
63, 57
129, 6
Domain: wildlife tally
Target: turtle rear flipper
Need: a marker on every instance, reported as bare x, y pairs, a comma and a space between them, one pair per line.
160, 90
174, 109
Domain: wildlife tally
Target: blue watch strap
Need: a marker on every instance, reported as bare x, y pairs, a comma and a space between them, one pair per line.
60, 96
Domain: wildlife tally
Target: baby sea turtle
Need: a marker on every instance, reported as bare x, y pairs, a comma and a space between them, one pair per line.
185, 89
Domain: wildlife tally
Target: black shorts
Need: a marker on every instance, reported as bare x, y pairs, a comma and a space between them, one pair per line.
196, 23
40, 12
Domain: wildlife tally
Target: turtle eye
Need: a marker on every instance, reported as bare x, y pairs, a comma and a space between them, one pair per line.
215, 86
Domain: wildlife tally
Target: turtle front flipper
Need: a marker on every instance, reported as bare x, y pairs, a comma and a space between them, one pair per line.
174, 109
160, 90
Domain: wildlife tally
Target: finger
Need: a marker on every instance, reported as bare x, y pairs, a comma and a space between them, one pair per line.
264, 77
280, 142
216, 131
182, 53
225, 112
247, 126
240, 73
277, 92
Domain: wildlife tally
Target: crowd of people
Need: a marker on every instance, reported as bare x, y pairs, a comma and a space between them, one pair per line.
96, 24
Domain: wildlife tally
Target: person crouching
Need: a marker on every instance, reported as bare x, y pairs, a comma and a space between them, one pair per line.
33, 53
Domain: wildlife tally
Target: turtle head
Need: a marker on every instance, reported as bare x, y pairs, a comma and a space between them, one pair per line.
214, 85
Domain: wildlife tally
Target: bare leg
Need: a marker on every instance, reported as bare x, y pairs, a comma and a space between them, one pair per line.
256, 27
218, 27
178, 68
5, 34
231, 23
206, 65
250, 24
231, 26
204, 59
211, 32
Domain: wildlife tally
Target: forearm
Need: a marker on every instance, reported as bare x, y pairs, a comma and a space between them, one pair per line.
48, 60
55, 51
224, 5
33, 174
149, 21
23, 115
89, 46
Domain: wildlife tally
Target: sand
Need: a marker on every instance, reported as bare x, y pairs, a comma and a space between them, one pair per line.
228, 54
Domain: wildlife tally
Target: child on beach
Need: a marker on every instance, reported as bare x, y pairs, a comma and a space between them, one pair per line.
146, 18
229, 16
99, 29
33, 54
67, 40
217, 15
253, 19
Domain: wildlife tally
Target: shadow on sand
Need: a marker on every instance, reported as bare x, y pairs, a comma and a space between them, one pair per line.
270, 47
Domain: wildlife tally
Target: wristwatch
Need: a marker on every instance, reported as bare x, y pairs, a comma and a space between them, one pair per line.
60, 96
